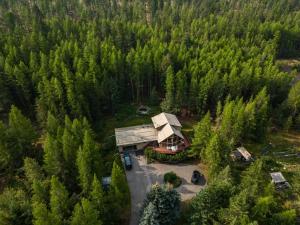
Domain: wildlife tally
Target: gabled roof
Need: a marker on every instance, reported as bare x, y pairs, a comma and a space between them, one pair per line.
165, 118
136, 134
168, 131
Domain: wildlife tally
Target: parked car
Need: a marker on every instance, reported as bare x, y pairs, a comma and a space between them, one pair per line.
127, 161
196, 176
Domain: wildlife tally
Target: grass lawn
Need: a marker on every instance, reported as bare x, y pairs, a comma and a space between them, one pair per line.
126, 116
282, 146
188, 126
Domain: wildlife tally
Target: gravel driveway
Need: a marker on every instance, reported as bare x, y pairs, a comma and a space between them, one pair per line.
143, 176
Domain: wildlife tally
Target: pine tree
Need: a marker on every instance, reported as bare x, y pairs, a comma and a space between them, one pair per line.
167, 203
32, 170
119, 184
15, 207
52, 125
85, 213
97, 197
215, 155
168, 104
202, 135
85, 160
150, 215
40, 191
52, 156
59, 199
262, 111
181, 89
21, 136
294, 99
42, 216
5, 158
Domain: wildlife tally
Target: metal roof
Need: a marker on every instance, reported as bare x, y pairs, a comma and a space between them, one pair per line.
165, 118
244, 153
277, 177
135, 135
168, 131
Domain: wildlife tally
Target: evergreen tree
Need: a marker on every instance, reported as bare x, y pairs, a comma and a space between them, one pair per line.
97, 197
14, 207
32, 170
59, 200
52, 156
85, 213
42, 216
294, 99
119, 185
202, 135
216, 155
168, 104
21, 136
167, 203
181, 89
150, 215
85, 160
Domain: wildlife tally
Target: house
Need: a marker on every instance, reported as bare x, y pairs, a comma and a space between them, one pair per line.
241, 154
163, 135
279, 181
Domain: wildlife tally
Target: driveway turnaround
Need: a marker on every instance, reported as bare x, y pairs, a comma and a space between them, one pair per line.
143, 176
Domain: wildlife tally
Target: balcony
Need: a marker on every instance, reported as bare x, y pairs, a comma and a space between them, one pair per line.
176, 149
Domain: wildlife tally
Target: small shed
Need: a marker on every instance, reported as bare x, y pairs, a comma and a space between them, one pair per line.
279, 181
241, 154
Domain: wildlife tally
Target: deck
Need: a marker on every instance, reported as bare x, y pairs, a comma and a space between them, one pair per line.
181, 148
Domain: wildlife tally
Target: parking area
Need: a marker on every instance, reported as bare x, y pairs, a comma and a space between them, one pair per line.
143, 176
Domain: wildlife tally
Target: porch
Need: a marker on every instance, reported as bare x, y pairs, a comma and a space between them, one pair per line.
174, 149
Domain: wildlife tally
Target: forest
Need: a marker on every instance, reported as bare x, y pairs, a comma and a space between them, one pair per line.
68, 65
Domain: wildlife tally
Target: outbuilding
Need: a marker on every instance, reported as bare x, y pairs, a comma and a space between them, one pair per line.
279, 181
241, 154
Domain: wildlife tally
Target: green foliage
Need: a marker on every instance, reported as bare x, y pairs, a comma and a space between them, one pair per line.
41, 215
153, 155
82, 58
59, 199
202, 135
150, 215
33, 171
16, 140
285, 217
85, 213
85, 160
173, 179
294, 99
216, 155
119, 185
168, 104
14, 207
205, 206
165, 206
97, 197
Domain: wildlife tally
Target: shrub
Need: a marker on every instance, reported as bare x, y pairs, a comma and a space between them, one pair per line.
153, 155
173, 179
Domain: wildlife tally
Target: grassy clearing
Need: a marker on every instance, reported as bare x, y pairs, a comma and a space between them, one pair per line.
282, 146
188, 126
126, 116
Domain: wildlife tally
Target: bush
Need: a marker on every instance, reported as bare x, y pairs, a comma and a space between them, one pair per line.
152, 155
173, 179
